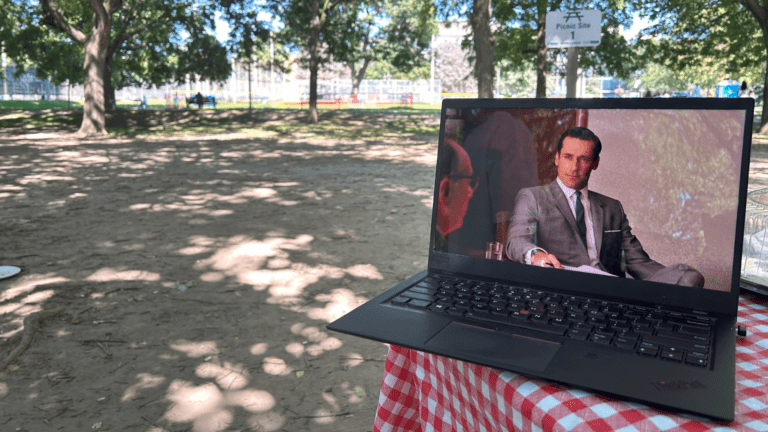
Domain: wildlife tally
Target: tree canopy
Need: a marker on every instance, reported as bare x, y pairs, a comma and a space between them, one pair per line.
521, 32
696, 35
109, 44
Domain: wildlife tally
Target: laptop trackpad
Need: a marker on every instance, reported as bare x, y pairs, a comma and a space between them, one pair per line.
493, 347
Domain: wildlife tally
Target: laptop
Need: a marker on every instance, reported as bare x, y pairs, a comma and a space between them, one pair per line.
645, 310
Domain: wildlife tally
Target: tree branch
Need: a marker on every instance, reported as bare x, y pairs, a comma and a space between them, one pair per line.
757, 11
58, 15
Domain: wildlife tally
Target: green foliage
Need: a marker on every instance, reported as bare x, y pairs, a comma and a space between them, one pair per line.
708, 40
658, 77
407, 36
152, 42
517, 35
694, 33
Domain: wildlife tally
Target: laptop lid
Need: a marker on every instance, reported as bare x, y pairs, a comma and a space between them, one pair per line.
678, 167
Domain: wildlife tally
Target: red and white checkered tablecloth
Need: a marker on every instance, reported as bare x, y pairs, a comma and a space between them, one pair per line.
426, 392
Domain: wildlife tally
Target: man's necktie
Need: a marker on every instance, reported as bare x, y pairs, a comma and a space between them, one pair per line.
580, 218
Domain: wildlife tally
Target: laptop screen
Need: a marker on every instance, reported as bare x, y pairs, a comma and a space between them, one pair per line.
661, 200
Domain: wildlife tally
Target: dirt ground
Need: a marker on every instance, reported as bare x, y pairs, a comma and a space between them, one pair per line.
194, 275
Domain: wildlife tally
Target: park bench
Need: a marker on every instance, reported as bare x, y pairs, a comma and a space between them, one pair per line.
210, 100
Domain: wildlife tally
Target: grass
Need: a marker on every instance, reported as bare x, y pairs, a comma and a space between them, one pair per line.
335, 128
39, 105
159, 104
396, 122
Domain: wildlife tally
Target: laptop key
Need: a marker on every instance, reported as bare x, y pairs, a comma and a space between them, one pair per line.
648, 351
695, 361
684, 345
423, 290
624, 343
399, 300
578, 334
438, 307
694, 330
643, 330
671, 353
420, 304
427, 298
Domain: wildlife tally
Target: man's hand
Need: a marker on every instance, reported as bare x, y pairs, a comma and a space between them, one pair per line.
543, 259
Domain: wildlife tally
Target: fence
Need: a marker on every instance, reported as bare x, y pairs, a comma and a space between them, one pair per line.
263, 87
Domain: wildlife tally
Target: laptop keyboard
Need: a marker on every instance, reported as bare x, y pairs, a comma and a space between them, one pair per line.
669, 335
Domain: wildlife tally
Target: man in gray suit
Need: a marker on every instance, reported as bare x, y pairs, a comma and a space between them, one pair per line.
564, 223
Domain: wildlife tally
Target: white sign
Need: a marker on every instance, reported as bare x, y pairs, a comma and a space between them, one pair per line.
573, 28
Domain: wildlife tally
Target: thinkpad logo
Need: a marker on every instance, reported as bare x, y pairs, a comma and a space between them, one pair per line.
678, 385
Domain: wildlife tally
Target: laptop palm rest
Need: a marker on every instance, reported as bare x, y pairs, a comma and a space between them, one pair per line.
493, 347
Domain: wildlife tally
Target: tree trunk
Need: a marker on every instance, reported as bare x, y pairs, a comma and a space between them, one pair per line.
764, 113
485, 44
541, 51
357, 76
314, 60
109, 89
763, 119
355, 81
93, 69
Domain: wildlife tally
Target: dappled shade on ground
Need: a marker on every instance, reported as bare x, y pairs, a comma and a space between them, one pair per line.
196, 272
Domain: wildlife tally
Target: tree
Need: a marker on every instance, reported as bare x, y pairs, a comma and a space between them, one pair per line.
479, 13
251, 39
7, 27
94, 39
118, 43
307, 24
247, 34
697, 33
455, 73
396, 32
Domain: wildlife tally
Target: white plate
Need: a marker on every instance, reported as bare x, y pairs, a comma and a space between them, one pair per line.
8, 271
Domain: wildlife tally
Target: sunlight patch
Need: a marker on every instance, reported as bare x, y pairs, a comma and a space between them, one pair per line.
324, 416
38, 296
145, 381
194, 250
29, 286
212, 277
365, 271
202, 405
259, 348
110, 274
294, 348
276, 366
194, 349
338, 302
227, 376
252, 400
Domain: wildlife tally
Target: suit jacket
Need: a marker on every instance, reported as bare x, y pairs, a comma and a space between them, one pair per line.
542, 218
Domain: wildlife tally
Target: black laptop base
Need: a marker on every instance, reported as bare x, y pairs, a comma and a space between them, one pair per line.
673, 376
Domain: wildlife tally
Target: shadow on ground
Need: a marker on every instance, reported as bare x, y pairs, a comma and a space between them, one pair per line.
195, 278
